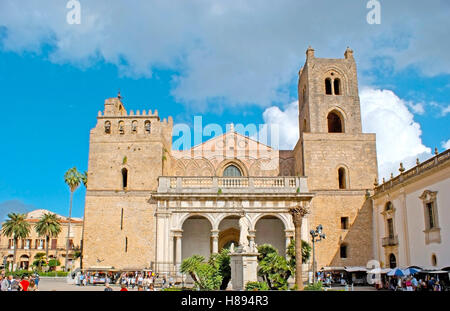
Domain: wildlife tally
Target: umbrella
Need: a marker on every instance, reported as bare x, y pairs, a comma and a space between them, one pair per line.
396, 272
411, 270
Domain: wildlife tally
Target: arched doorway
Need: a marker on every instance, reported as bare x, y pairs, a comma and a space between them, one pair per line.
271, 230
335, 122
24, 262
392, 261
196, 238
228, 232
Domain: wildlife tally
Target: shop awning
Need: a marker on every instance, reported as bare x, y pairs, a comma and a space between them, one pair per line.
356, 269
332, 269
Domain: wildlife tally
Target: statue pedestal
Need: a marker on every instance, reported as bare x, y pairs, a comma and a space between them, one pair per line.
244, 267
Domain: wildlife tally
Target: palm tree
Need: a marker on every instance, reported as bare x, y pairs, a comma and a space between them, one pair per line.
298, 213
16, 227
48, 226
73, 178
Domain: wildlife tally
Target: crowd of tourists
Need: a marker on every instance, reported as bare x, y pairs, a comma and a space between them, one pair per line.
25, 283
144, 281
411, 283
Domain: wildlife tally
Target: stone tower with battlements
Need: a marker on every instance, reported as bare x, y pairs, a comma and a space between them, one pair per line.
126, 157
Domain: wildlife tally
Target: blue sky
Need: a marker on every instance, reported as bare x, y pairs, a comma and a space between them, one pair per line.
229, 62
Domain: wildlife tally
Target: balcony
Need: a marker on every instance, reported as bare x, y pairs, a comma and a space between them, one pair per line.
389, 241
232, 185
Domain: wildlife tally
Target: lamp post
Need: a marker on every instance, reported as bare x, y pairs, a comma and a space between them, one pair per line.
316, 236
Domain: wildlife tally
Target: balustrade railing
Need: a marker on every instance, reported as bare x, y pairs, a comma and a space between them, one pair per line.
211, 184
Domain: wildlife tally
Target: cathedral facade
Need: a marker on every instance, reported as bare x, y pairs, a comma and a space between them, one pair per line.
148, 206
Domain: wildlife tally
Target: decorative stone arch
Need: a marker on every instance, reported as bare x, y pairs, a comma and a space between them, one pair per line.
189, 215
271, 228
236, 162
205, 167
256, 167
196, 238
180, 169
283, 218
338, 73
220, 217
346, 175
342, 116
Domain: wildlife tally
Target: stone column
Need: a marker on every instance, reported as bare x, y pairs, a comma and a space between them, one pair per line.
215, 241
298, 213
251, 236
178, 236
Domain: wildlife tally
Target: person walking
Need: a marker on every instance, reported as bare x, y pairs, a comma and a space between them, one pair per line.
7, 283
108, 288
24, 283
408, 284
32, 287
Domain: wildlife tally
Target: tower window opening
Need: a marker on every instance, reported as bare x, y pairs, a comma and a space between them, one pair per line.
334, 123
343, 251
121, 127
328, 86
337, 87
342, 178
107, 127
134, 126
124, 178
147, 126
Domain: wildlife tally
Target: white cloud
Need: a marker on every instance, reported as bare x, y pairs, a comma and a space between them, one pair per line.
446, 144
229, 50
383, 113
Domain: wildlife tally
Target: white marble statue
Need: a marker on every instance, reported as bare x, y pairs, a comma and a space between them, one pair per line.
244, 224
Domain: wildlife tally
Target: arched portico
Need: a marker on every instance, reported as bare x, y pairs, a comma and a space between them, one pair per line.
271, 229
196, 238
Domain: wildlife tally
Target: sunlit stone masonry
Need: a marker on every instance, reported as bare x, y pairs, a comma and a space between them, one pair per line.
148, 206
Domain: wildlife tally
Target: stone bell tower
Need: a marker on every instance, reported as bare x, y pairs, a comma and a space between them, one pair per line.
337, 157
128, 151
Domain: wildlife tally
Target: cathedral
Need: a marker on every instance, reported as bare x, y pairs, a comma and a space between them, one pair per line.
151, 206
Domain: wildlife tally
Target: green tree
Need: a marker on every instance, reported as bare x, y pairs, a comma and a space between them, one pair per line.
306, 253
73, 178
221, 262
206, 276
275, 269
39, 260
16, 227
48, 226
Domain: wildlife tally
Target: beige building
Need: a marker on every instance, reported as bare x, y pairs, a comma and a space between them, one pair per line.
34, 244
412, 216
150, 206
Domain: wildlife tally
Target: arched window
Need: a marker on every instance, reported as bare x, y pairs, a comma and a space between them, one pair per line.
392, 261
124, 178
343, 251
389, 206
328, 86
107, 127
232, 171
342, 178
134, 126
121, 127
337, 86
147, 125
434, 260
335, 123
